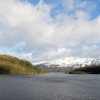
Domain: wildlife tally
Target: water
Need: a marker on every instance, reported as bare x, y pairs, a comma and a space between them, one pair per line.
53, 86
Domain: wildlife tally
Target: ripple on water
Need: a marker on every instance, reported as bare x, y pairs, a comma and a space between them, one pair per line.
52, 86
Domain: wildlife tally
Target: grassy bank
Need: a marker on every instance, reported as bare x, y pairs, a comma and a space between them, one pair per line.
87, 70
13, 65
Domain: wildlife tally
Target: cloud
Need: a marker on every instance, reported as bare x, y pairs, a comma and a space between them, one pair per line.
70, 5
59, 53
84, 51
21, 22
32, 33
88, 51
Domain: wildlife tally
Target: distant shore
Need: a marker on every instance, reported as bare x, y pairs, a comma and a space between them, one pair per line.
86, 70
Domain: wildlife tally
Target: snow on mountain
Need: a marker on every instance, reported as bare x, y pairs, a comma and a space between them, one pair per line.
74, 62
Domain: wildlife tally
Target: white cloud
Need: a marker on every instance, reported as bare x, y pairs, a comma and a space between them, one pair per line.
25, 27
27, 57
69, 4
47, 55
22, 21
87, 51
78, 5
59, 53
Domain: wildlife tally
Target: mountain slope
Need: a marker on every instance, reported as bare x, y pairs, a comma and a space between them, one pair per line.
13, 65
74, 62
87, 70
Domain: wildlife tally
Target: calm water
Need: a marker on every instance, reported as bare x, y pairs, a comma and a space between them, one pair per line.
53, 86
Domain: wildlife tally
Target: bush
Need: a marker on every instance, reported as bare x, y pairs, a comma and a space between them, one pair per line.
4, 69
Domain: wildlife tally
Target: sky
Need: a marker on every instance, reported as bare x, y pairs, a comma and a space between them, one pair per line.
44, 30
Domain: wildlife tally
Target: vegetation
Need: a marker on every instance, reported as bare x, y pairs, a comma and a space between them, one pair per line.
13, 65
77, 72
87, 70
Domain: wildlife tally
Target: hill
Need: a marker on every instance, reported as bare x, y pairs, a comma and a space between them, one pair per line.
13, 65
67, 64
87, 70
73, 62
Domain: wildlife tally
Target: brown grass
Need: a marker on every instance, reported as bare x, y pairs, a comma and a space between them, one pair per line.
13, 65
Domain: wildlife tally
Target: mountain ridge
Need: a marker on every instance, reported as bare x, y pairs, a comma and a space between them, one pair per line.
75, 62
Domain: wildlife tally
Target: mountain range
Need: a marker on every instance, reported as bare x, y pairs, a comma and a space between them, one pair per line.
74, 62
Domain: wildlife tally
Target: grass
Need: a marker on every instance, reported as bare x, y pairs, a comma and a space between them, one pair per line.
77, 72
87, 70
13, 65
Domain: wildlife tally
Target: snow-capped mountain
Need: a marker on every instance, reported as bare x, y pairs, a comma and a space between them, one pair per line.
74, 62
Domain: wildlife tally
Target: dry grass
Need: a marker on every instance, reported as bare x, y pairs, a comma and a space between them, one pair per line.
13, 65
